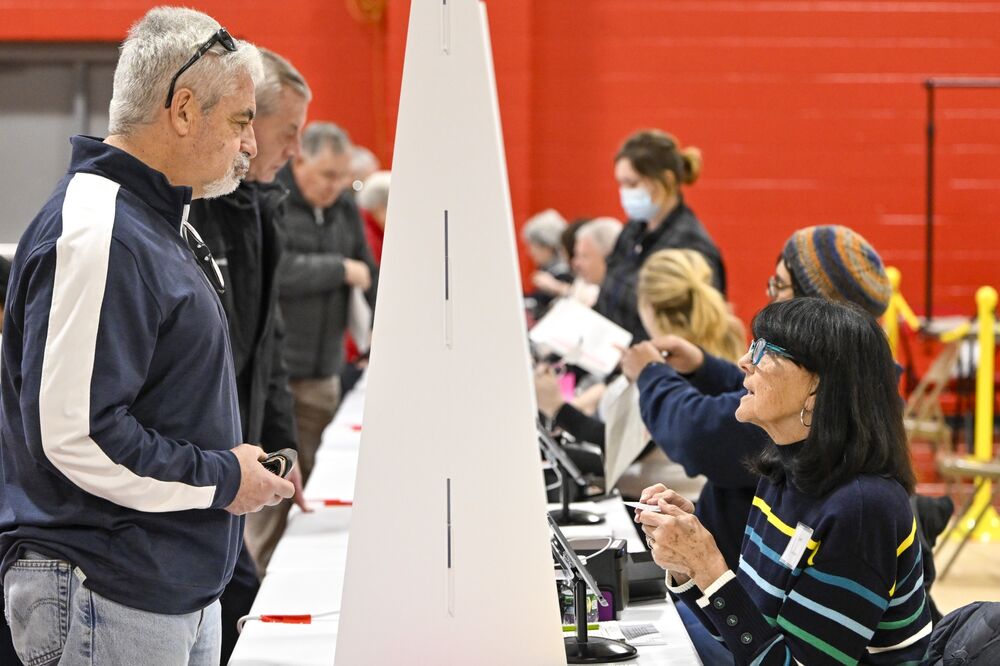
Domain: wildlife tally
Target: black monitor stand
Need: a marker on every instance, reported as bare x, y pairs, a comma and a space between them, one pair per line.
565, 467
567, 516
583, 649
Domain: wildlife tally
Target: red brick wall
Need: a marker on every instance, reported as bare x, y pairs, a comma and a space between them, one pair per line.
807, 112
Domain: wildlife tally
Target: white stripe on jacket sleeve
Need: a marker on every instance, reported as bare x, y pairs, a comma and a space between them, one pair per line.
82, 256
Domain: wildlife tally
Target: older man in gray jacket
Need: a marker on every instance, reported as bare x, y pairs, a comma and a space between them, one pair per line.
326, 255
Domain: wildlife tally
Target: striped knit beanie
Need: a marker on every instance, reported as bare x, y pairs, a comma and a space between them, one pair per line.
837, 264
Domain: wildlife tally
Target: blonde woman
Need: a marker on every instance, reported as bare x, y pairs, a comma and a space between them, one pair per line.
676, 297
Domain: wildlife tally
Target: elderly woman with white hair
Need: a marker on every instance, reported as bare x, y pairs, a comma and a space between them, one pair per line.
373, 200
542, 233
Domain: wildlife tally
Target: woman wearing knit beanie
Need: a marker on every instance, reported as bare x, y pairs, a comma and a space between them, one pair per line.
834, 263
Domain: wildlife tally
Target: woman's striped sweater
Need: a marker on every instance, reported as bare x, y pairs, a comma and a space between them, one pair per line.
854, 595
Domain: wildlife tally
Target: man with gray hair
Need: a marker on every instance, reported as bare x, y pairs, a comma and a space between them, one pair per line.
241, 230
325, 257
125, 478
593, 244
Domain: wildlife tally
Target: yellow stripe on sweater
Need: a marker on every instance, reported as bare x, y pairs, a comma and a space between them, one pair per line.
907, 542
782, 526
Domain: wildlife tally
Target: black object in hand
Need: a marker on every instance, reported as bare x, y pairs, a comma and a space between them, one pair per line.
280, 462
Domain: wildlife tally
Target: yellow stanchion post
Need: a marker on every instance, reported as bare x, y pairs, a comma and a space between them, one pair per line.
890, 320
898, 307
989, 526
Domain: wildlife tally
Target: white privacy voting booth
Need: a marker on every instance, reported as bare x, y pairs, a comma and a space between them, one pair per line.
448, 535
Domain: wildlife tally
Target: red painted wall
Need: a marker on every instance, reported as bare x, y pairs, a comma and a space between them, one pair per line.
806, 112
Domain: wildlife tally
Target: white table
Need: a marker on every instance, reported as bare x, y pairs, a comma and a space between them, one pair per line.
306, 572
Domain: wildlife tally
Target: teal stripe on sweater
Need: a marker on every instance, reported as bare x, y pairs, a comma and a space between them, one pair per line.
906, 621
850, 586
817, 643
831, 614
761, 583
919, 585
766, 550
760, 658
917, 564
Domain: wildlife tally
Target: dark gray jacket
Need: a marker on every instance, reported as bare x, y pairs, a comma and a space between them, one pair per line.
313, 295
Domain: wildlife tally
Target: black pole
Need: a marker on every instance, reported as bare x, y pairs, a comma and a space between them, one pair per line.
931, 84
929, 239
567, 517
580, 599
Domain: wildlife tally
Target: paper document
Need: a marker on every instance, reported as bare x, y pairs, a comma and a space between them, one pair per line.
581, 337
633, 633
625, 434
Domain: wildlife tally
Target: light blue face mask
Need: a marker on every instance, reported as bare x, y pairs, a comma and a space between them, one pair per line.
637, 203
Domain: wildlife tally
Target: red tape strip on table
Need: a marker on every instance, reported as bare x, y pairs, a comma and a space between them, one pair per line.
287, 619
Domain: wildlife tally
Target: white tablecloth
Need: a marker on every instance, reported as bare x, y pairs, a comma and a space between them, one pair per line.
306, 572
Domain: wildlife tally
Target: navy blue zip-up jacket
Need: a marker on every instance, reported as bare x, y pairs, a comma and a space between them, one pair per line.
118, 395
693, 420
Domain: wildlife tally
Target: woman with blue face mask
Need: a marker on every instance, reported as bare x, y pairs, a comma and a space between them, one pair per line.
650, 169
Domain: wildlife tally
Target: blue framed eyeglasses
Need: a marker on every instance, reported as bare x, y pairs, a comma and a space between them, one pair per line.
760, 345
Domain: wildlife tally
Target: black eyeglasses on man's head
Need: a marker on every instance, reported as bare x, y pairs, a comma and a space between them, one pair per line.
221, 36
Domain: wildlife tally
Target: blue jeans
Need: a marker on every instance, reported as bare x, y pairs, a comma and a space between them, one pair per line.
54, 619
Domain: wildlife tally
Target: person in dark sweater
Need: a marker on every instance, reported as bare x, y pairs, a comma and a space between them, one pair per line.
650, 169
240, 229
830, 568
688, 399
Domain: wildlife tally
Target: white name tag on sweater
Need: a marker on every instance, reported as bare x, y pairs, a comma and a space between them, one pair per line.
797, 545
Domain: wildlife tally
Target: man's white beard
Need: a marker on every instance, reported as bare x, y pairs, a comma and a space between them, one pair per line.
229, 182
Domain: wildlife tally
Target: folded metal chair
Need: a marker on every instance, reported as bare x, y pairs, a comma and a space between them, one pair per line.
923, 417
959, 467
